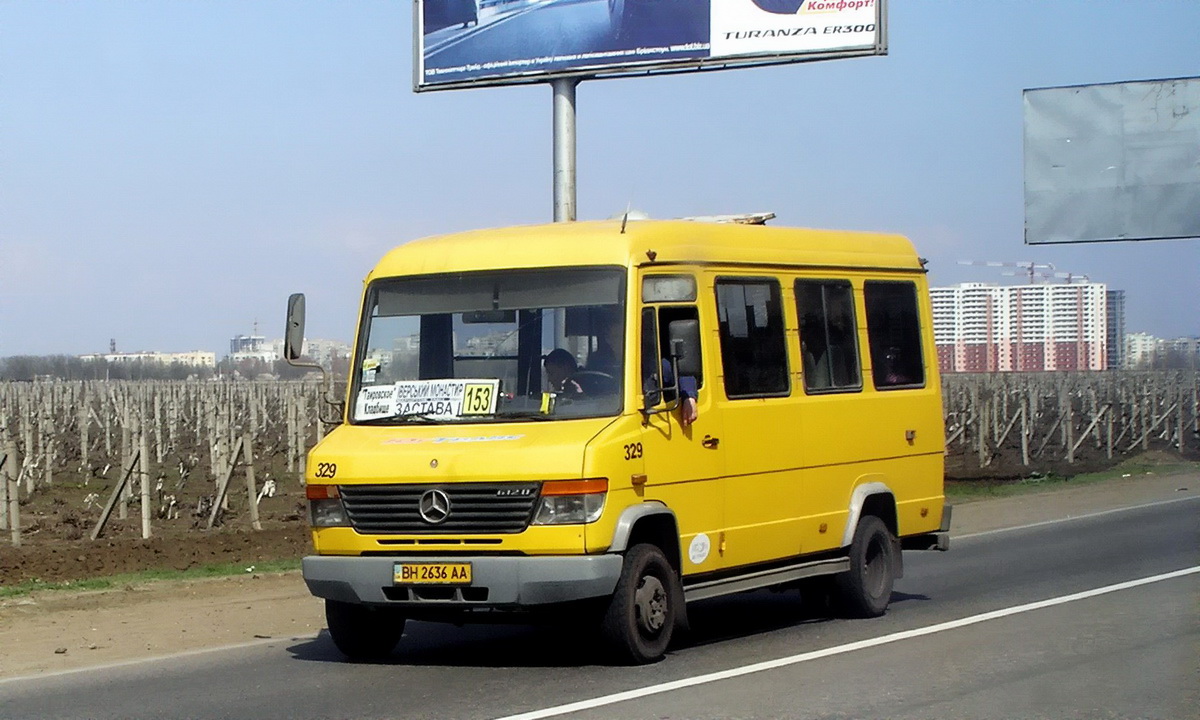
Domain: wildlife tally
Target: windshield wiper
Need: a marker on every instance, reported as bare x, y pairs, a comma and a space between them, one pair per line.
415, 418
524, 415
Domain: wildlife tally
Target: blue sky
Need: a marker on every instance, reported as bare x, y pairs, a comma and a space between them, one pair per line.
170, 170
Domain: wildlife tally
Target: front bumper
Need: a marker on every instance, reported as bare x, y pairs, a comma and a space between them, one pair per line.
497, 582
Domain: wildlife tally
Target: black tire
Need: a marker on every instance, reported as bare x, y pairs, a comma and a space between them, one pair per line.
363, 632
642, 613
866, 589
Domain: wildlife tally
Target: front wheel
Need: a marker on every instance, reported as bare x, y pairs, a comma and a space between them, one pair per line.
363, 632
641, 615
866, 589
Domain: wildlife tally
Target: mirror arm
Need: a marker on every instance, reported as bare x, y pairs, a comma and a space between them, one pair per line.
674, 387
327, 390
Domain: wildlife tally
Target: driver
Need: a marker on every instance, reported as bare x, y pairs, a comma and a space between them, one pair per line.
560, 366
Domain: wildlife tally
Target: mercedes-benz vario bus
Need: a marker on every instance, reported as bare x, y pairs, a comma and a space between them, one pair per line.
732, 406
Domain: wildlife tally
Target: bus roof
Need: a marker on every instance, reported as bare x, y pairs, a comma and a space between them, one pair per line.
647, 243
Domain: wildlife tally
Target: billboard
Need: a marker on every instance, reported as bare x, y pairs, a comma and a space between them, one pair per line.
467, 43
1118, 161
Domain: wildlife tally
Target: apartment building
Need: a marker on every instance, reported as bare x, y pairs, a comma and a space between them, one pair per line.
198, 358
1021, 328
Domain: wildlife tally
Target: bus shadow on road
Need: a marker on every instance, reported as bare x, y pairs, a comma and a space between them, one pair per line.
761, 612
577, 644
749, 614
473, 645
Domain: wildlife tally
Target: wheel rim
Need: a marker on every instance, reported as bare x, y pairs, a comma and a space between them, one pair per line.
875, 569
650, 600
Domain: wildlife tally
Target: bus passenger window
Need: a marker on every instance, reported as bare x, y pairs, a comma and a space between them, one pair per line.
828, 335
894, 334
753, 350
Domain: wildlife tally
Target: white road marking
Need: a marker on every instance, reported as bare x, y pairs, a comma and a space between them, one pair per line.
841, 649
1072, 518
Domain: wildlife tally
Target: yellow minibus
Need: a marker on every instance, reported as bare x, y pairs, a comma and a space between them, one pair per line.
610, 420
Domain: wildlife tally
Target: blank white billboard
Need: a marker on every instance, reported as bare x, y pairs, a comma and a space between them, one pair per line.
1109, 162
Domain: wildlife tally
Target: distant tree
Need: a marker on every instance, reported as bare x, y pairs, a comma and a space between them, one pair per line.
18, 367
70, 367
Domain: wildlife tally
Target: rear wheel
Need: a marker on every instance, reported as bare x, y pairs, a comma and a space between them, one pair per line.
363, 632
642, 613
866, 589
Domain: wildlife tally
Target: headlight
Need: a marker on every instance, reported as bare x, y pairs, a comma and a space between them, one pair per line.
571, 502
325, 506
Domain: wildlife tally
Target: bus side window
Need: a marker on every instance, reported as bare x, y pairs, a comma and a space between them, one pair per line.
894, 334
828, 335
753, 348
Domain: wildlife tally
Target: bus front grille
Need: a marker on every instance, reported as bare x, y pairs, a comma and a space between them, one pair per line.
475, 508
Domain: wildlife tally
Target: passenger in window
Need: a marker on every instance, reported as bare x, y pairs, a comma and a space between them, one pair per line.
560, 367
817, 366
892, 374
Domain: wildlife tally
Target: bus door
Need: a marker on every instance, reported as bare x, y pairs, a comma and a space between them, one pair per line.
683, 464
763, 495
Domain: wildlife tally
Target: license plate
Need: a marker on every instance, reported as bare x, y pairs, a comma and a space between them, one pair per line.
432, 574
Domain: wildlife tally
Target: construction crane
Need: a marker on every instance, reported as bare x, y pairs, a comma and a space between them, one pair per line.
1030, 268
1070, 278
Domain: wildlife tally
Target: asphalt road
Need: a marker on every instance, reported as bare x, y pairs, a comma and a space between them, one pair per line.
1086, 618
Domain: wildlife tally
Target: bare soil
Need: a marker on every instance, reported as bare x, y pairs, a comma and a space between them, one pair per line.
57, 561
52, 631
57, 521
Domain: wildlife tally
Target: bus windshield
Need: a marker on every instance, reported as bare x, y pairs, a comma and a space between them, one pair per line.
491, 346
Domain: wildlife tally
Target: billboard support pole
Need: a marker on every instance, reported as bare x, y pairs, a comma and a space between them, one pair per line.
564, 148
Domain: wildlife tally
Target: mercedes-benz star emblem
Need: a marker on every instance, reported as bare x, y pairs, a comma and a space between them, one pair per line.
434, 506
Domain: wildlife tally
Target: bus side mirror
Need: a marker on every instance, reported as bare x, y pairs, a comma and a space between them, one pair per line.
684, 338
293, 334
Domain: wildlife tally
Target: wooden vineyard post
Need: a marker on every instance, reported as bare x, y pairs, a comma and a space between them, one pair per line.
144, 479
159, 451
1146, 427
1024, 434
45, 430
251, 486
127, 453
1109, 433
3, 489
84, 440
115, 496
10, 476
1068, 426
27, 428
1182, 403
291, 416
223, 483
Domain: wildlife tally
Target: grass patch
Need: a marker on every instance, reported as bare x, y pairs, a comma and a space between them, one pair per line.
149, 576
963, 490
